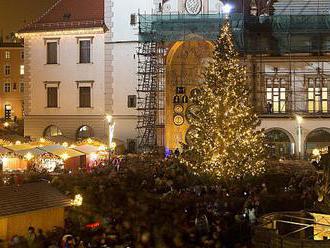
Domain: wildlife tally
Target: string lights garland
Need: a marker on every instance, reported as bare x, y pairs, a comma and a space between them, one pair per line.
223, 138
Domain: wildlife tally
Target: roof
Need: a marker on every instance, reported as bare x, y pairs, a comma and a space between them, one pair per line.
87, 149
61, 150
30, 197
69, 14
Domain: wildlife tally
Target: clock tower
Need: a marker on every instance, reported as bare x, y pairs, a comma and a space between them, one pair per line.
193, 7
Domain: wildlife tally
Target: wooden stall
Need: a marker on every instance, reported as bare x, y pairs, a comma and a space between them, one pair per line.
30, 205
73, 159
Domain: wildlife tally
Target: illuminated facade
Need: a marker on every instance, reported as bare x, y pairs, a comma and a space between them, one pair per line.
287, 60
80, 67
11, 81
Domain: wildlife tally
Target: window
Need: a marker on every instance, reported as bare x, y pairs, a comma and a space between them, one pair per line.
132, 101
84, 97
52, 131
52, 52
52, 97
14, 87
21, 70
21, 87
22, 55
7, 70
84, 51
276, 95
84, 132
7, 54
6, 87
317, 95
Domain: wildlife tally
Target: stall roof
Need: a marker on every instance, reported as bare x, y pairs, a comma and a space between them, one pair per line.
34, 151
30, 197
4, 150
19, 147
87, 149
60, 150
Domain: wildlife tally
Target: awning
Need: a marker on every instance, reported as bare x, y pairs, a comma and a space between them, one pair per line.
62, 151
87, 149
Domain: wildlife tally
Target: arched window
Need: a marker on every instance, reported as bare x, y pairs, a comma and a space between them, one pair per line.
52, 131
279, 143
84, 132
319, 138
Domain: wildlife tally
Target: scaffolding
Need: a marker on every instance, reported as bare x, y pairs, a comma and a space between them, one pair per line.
150, 94
257, 38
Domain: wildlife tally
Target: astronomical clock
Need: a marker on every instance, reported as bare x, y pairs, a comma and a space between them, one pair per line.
193, 7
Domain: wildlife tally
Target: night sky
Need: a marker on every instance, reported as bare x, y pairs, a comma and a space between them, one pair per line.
14, 13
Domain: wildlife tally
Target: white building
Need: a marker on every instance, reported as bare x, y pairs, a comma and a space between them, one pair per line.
80, 67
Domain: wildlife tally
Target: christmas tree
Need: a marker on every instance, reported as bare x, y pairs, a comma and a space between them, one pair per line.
223, 139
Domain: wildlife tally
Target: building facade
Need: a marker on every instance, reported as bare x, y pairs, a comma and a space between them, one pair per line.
284, 45
11, 81
58, 80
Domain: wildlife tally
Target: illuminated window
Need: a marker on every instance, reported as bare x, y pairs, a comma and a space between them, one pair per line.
7, 70
84, 132
6, 87
317, 95
7, 54
276, 95
21, 70
52, 131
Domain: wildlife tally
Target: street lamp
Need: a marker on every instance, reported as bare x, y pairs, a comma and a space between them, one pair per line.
111, 130
299, 120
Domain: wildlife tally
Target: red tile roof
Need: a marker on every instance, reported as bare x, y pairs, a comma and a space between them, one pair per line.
69, 14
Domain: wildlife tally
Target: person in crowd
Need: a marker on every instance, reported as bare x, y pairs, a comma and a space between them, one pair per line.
31, 237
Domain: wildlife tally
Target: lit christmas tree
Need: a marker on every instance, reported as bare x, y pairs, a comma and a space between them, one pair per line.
223, 139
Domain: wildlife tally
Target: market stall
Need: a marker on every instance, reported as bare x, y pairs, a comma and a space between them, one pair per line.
72, 159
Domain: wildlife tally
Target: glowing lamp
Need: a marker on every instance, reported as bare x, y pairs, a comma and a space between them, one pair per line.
113, 146
299, 119
65, 156
89, 141
5, 160
77, 201
6, 124
65, 144
227, 8
109, 118
18, 142
29, 156
94, 156
102, 148
316, 152
42, 140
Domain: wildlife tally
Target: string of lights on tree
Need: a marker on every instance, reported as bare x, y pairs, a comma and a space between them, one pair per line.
223, 139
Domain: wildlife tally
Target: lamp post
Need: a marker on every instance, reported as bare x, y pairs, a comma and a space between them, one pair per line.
299, 120
111, 131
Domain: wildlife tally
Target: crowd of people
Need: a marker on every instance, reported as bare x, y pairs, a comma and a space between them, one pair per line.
160, 204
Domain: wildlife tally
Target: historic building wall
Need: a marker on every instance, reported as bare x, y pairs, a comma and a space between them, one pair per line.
67, 75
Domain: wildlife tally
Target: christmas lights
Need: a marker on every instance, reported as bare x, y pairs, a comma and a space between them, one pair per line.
223, 139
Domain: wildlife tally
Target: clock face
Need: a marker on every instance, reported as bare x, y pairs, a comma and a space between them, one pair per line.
193, 7
178, 109
195, 92
178, 120
191, 113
